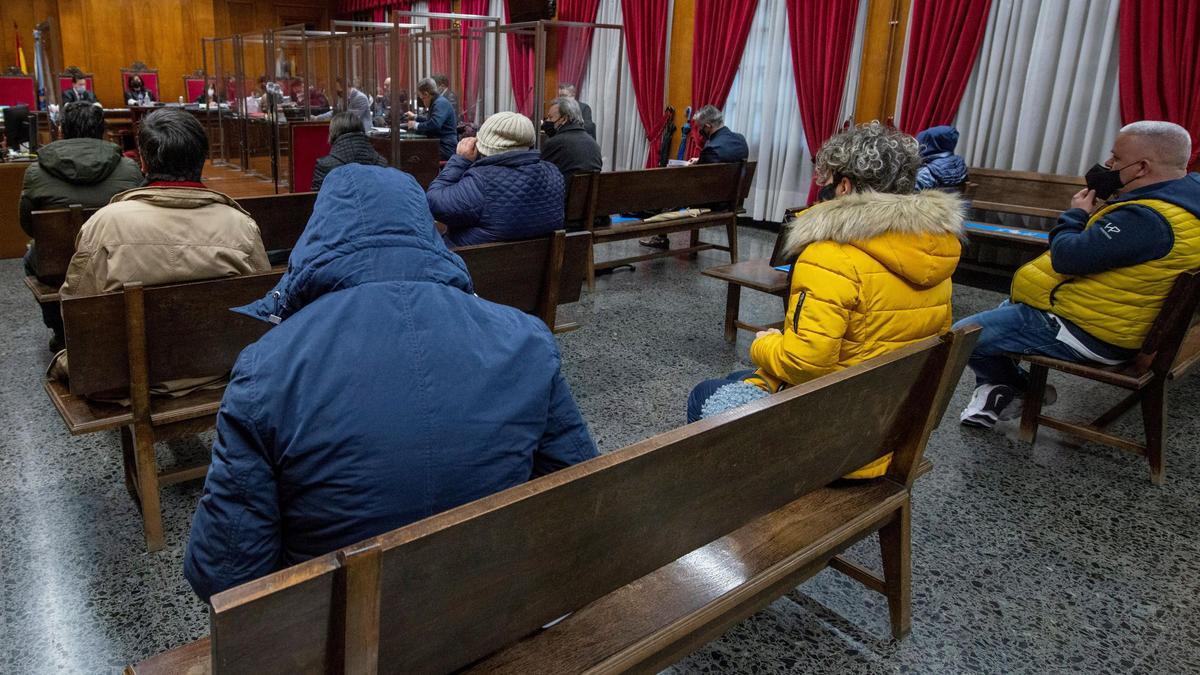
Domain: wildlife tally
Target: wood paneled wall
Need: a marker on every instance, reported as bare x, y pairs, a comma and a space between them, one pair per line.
103, 36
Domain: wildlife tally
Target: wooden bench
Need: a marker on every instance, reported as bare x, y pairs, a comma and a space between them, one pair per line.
652, 550
1007, 211
1171, 348
123, 342
719, 187
280, 219
535, 275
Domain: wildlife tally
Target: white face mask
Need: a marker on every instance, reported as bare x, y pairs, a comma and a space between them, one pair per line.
211, 91
80, 88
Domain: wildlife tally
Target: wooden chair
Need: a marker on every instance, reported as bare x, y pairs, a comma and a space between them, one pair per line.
121, 343
652, 550
1171, 348
719, 187
535, 275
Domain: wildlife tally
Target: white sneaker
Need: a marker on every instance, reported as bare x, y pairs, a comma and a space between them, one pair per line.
992, 403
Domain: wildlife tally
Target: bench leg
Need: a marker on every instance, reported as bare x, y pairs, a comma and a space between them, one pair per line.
129, 460
731, 230
1033, 403
147, 482
1154, 417
733, 302
694, 241
894, 545
591, 268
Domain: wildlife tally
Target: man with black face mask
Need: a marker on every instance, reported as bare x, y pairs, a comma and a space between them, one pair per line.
1094, 295
568, 146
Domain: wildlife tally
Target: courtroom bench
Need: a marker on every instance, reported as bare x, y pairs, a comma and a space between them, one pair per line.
649, 552
719, 188
121, 343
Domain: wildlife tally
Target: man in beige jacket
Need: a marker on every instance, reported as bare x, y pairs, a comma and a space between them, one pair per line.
173, 230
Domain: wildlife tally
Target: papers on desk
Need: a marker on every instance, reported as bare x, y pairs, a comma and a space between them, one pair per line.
678, 162
381, 130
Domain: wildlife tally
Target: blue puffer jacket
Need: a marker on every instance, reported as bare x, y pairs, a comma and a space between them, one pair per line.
388, 392
942, 167
506, 197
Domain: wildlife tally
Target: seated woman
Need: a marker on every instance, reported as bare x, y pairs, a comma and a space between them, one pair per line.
348, 145
872, 272
496, 188
138, 94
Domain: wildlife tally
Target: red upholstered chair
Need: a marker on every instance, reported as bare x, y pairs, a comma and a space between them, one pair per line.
193, 87
310, 141
149, 78
18, 90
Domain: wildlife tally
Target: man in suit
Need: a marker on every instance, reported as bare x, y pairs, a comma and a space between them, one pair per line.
78, 91
720, 145
567, 90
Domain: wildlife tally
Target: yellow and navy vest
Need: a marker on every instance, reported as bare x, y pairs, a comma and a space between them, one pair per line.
1119, 305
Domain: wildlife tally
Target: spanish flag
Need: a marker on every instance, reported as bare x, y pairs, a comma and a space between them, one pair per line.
20, 52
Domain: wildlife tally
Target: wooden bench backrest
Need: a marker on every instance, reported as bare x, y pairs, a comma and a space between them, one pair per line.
1170, 328
535, 275
718, 185
189, 332
442, 592
281, 219
1022, 192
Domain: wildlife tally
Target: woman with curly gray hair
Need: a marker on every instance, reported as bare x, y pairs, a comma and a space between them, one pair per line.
872, 272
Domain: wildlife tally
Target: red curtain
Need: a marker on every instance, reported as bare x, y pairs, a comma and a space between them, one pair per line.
821, 36
722, 27
575, 42
441, 45
346, 7
471, 61
521, 67
1160, 64
943, 43
646, 42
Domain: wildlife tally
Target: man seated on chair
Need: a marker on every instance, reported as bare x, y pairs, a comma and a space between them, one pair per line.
941, 167
567, 90
173, 230
721, 144
1113, 258
497, 188
388, 392
80, 168
138, 94
568, 146
78, 91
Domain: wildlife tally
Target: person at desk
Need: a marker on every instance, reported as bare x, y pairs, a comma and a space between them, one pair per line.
81, 168
78, 91
443, 88
440, 123
138, 94
210, 94
356, 102
381, 107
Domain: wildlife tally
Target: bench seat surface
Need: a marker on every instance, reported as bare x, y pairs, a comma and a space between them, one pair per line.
758, 275
635, 228
83, 415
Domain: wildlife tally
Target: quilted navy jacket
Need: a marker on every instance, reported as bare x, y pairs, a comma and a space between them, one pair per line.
506, 197
387, 393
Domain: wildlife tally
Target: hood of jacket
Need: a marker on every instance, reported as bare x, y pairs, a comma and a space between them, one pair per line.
937, 140
370, 224
177, 197
915, 236
1184, 192
82, 161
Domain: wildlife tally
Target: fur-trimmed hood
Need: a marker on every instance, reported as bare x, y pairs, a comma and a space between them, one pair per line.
916, 236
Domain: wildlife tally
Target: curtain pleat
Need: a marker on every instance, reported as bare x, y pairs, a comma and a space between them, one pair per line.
943, 42
721, 29
646, 42
575, 42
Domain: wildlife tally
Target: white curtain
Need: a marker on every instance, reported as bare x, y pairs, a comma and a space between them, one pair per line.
599, 90
850, 98
508, 101
1043, 95
763, 106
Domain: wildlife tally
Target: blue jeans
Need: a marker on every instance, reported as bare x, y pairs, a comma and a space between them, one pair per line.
702, 391
1013, 329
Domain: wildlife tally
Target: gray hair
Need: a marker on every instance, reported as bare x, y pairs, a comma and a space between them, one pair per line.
568, 88
568, 109
873, 157
709, 114
1167, 142
427, 86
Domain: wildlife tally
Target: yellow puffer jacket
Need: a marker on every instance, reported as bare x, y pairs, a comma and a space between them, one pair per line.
873, 275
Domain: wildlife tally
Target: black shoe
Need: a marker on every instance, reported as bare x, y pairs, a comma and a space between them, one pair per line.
657, 241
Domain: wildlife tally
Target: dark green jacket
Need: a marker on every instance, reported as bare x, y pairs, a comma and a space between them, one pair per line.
86, 171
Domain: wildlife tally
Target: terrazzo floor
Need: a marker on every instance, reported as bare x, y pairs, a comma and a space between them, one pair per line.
1053, 558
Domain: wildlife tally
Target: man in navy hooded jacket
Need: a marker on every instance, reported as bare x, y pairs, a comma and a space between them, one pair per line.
941, 167
387, 393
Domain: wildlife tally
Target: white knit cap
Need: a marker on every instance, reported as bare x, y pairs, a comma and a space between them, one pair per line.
504, 131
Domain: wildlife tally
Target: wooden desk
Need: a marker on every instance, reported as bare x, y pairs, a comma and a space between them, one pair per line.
416, 155
12, 238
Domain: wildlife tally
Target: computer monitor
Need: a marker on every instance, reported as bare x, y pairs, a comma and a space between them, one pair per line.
16, 126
